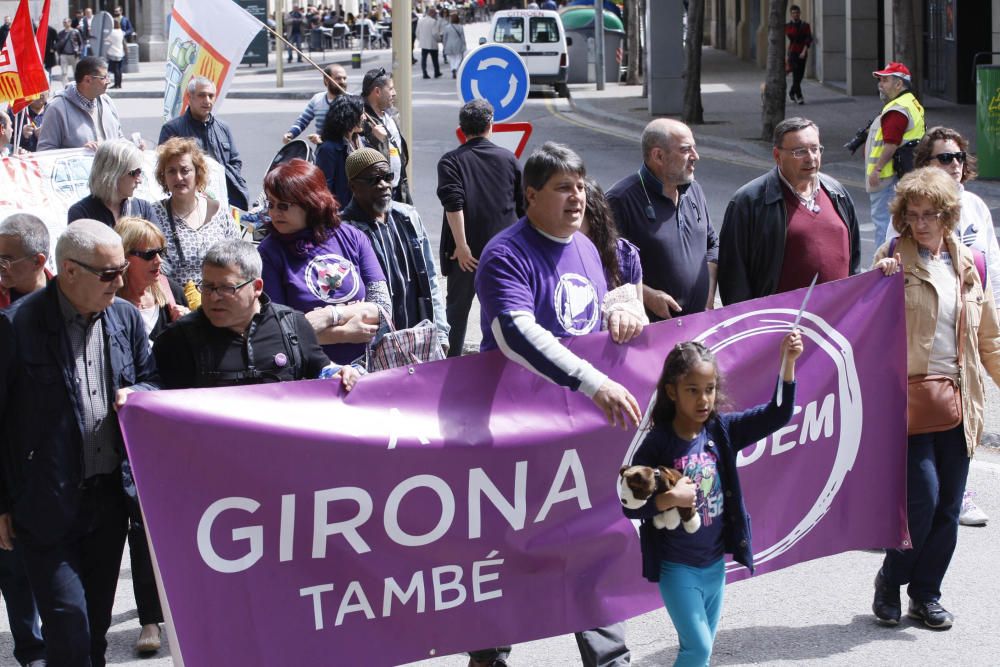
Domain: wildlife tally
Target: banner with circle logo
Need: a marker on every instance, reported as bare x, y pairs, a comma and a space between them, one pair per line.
427, 511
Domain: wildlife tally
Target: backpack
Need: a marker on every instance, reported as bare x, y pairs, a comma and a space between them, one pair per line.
978, 257
205, 363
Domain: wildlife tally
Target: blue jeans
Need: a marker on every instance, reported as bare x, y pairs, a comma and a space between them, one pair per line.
693, 597
25, 626
937, 467
880, 210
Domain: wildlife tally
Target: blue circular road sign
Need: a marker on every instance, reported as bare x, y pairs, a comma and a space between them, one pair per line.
497, 74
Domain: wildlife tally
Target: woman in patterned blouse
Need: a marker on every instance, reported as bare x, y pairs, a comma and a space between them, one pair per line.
192, 222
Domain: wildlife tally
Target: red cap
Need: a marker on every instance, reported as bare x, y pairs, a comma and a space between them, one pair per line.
894, 69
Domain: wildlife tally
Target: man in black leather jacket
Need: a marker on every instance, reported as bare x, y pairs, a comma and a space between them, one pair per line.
788, 225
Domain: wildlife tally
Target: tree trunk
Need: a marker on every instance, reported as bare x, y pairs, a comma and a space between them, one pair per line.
904, 40
774, 86
633, 45
693, 112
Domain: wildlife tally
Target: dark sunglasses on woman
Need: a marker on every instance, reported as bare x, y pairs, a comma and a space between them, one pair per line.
946, 158
148, 255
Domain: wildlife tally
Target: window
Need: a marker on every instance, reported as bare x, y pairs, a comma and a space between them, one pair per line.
544, 30
509, 30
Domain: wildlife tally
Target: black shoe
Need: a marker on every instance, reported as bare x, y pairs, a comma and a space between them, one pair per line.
426, 77
886, 605
437, 75
454, 74
932, 614
801, 100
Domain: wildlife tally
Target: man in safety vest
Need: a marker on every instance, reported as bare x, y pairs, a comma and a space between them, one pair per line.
901, 120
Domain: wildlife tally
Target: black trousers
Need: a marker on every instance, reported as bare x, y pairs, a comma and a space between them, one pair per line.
798, 71
25, 626
115, 68
147, 598
458, 303
433, 53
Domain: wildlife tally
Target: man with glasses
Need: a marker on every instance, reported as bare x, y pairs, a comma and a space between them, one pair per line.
213, 136
400, 242
239, 336
381, 131
662, 209
24, 249
785, 227
82, 114
69, 356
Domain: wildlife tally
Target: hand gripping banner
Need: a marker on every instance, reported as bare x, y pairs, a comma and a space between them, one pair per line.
468, 503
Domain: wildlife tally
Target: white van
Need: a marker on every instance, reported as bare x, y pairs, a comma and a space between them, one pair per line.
538, 36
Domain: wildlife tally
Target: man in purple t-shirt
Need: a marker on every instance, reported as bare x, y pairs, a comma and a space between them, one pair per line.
539, 281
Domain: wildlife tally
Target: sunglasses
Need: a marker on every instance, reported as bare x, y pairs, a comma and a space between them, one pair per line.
135, 173
104, 275
372, 181
946, 158
148, 255
280, 205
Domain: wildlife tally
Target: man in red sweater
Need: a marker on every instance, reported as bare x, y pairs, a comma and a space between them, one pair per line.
799, 36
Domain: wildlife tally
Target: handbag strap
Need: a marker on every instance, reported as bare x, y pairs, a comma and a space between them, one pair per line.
173, 227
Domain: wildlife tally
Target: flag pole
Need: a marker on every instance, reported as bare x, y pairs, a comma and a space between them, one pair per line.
309, 60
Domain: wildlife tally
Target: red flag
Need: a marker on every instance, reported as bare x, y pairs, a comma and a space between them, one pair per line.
41, 37
21, 71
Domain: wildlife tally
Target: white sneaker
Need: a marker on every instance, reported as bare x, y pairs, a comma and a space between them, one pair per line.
971, 515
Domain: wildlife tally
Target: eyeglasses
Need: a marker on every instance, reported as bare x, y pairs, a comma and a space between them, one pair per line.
104, 275
372, 181
103, 77
280, 205
800, 153
946, 158
148, 255
222, 290
135, 173
7, 262
913, 218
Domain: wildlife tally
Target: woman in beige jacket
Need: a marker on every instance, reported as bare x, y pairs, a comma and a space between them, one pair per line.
943, 288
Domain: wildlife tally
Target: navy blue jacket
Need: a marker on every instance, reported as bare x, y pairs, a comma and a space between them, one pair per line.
41, 418
730, 432
216, 139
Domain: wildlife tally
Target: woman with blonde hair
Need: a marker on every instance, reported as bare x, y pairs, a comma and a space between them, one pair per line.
952, 342
114, 176
160, 301
192, 222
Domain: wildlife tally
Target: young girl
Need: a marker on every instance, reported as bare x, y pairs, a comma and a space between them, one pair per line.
688, 434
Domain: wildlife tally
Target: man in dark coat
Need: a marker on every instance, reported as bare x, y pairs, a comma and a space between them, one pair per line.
69, 356
214, 137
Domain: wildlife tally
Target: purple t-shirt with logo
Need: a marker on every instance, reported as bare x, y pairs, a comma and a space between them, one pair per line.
303, 274
562, 284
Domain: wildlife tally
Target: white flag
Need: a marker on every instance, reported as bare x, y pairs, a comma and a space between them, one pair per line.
207, 38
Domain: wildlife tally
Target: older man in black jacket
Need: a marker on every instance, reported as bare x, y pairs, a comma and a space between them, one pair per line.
69, 355
790, 224
479, 185
214, 137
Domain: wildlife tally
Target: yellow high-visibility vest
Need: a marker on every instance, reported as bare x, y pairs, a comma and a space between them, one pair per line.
907, 104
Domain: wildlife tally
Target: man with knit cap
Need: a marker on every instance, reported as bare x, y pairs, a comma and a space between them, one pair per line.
400, 242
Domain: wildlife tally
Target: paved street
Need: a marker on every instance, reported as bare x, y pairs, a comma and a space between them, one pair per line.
817, 613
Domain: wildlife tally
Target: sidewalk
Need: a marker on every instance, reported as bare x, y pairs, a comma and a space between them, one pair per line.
731, 97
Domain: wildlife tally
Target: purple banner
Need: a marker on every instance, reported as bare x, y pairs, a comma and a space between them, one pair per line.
469, 503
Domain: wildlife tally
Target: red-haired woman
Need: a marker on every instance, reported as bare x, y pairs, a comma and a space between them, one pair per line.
316, 265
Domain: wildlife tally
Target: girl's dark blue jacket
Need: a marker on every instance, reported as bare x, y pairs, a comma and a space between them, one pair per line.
730, 433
